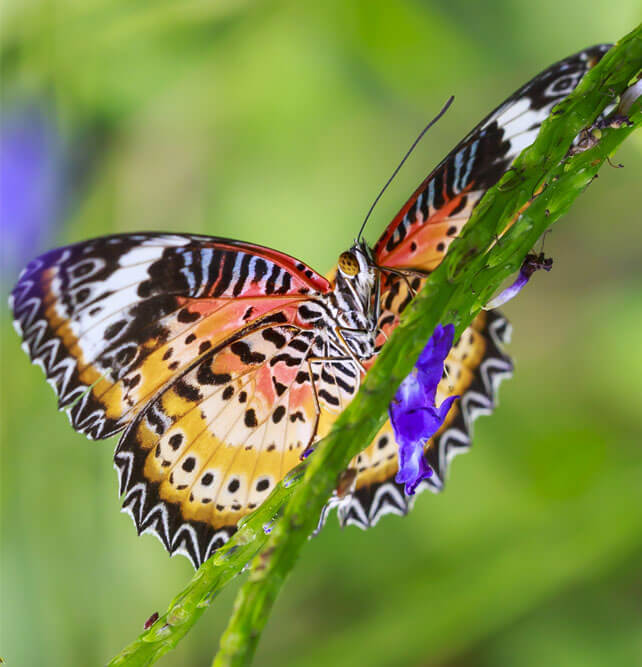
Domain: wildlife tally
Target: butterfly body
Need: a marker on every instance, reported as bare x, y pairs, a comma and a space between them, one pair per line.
219, 363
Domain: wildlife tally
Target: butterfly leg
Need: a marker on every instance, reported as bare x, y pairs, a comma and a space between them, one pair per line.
323, 360
404, 274
338, 331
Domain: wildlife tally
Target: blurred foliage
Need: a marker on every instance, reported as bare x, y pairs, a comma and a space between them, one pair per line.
277, 122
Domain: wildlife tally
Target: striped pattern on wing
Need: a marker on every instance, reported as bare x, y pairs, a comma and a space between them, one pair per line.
419, 235
112, 320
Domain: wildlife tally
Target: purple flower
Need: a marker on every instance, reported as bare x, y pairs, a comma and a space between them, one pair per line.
413, 413
531, 264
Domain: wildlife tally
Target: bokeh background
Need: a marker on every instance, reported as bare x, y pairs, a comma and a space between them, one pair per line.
278, 122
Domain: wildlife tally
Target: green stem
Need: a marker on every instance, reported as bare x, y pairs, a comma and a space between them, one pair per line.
473, 268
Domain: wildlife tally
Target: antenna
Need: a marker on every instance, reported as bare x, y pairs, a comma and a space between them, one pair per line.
405, 157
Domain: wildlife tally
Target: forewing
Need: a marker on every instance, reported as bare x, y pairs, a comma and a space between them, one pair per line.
419, 235
112, 320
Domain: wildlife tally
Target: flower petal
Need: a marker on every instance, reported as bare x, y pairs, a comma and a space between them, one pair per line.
531, 264
414, 416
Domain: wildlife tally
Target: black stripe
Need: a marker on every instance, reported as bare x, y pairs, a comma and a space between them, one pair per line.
287, 283
460, 207
328, 398
260, 269
345, 386
300, 345
273, 336
245, 267
438, 201
424, 202
213, 269
271, 281
227, 273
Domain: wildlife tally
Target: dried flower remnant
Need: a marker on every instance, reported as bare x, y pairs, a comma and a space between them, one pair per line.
413, 413
532, 263
150, 621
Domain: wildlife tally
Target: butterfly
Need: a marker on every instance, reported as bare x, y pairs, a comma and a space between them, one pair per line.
220, 362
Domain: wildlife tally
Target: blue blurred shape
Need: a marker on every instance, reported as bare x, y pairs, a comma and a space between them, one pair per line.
31, 184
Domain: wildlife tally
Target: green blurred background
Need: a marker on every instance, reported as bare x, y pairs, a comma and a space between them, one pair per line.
278, 122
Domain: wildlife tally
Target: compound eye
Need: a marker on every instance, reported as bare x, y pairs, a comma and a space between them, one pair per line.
348, 264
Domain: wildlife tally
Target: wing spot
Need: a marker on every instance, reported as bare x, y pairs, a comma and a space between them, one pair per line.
278, 386
205, 375
144, 289
175, 441
250, 418
207, 479
114, 329
190, 339
278, 414
188, 464
186, 316
187, 391
82, 295
245, 354
234, 486
275, 337
383, 441
263, 485
228, 392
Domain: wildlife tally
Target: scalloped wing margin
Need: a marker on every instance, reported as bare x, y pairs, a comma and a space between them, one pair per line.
365, 506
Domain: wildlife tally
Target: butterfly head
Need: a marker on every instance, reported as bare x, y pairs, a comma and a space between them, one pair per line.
354, 287
356, 261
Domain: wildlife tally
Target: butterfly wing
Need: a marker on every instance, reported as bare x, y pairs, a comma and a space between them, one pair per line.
419, 235
204, 352
475, 366
112, 320
418, 238
212, 444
